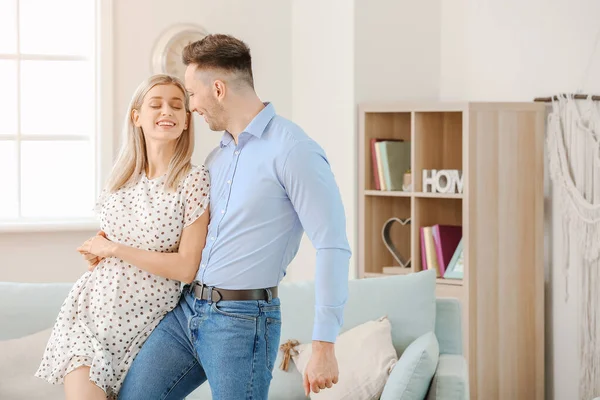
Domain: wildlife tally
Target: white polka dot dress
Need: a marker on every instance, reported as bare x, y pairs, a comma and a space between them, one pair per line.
110, 311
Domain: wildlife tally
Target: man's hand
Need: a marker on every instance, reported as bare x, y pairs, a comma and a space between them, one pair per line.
322, 369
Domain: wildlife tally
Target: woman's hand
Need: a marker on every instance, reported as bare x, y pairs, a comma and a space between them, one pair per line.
96, 249
99, 246
92, 260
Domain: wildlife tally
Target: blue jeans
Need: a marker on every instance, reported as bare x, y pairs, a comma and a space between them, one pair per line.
233, 344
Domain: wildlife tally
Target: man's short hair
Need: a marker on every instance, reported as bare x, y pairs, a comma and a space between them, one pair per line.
219, 51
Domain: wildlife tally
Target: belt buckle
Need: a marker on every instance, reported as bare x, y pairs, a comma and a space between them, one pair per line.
193, 287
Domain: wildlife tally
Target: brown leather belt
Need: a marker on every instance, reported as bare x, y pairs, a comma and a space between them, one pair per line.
214, 294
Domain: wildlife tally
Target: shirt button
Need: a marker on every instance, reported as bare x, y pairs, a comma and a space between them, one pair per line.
222, 211
237, 152
229, 182
212, 238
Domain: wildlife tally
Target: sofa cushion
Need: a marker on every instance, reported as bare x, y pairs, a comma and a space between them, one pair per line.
26, 308
448, 326
365, 357
451, 379
408, 301
19, 360
412, 375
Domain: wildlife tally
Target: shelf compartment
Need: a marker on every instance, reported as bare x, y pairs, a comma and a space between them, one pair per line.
437, 143
377, 211
429, 212
382, 125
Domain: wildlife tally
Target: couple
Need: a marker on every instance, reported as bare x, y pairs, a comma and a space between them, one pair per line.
182, 284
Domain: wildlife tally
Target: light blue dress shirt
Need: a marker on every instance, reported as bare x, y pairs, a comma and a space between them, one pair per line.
275, 184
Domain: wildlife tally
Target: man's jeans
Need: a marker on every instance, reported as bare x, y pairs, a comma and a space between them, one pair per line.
233, 344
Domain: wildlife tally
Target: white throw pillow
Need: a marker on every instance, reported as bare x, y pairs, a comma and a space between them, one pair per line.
365, 356
19, 360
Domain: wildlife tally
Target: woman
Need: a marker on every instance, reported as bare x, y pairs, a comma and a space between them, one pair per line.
154, 225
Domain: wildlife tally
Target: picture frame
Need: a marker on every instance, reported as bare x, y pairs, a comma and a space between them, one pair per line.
456, 267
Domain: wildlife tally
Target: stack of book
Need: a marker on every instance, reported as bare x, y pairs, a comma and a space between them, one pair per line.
441, 249
390, 159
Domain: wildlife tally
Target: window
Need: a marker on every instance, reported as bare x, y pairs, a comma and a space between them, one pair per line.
50, 104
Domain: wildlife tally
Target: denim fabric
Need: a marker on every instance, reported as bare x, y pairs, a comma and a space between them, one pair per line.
233, 344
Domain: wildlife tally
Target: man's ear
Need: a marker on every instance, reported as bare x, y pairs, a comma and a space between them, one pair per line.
219, 89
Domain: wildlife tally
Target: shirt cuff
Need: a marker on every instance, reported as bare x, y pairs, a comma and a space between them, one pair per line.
328, 322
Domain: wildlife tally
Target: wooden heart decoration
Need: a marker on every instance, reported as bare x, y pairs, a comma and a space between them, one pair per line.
387, 240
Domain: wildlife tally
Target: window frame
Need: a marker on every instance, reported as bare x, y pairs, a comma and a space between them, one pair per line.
102, 141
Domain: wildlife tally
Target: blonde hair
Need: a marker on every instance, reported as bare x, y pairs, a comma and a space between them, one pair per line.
133, 159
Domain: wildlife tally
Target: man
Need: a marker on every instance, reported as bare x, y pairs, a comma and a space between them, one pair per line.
269, 183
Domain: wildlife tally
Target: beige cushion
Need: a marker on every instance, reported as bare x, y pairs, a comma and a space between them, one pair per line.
19, 360
365, 356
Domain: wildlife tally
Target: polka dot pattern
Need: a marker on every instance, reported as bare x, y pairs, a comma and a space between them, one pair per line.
111, 311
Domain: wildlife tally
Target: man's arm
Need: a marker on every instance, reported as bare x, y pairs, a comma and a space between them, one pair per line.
311, 187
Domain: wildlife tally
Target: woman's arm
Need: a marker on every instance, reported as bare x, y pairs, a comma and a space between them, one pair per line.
181, 266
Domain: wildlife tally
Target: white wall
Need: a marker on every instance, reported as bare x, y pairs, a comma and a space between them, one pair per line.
344, 53
509, 51
264, 24
397, 50
41, 257
323, 100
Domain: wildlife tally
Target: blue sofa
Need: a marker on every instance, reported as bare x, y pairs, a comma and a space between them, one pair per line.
408, 301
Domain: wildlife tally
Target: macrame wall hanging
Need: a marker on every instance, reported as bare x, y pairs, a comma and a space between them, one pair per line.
573, 144
574, 160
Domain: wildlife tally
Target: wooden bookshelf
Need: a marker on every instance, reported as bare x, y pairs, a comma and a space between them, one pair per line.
499, 149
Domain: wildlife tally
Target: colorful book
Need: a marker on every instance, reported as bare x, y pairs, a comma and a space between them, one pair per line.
423, 253
431, 256
446, 239
374, 164
376, 161
379, 166
395, 161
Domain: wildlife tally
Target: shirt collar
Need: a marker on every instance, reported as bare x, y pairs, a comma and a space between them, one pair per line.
226, 139
256, 127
